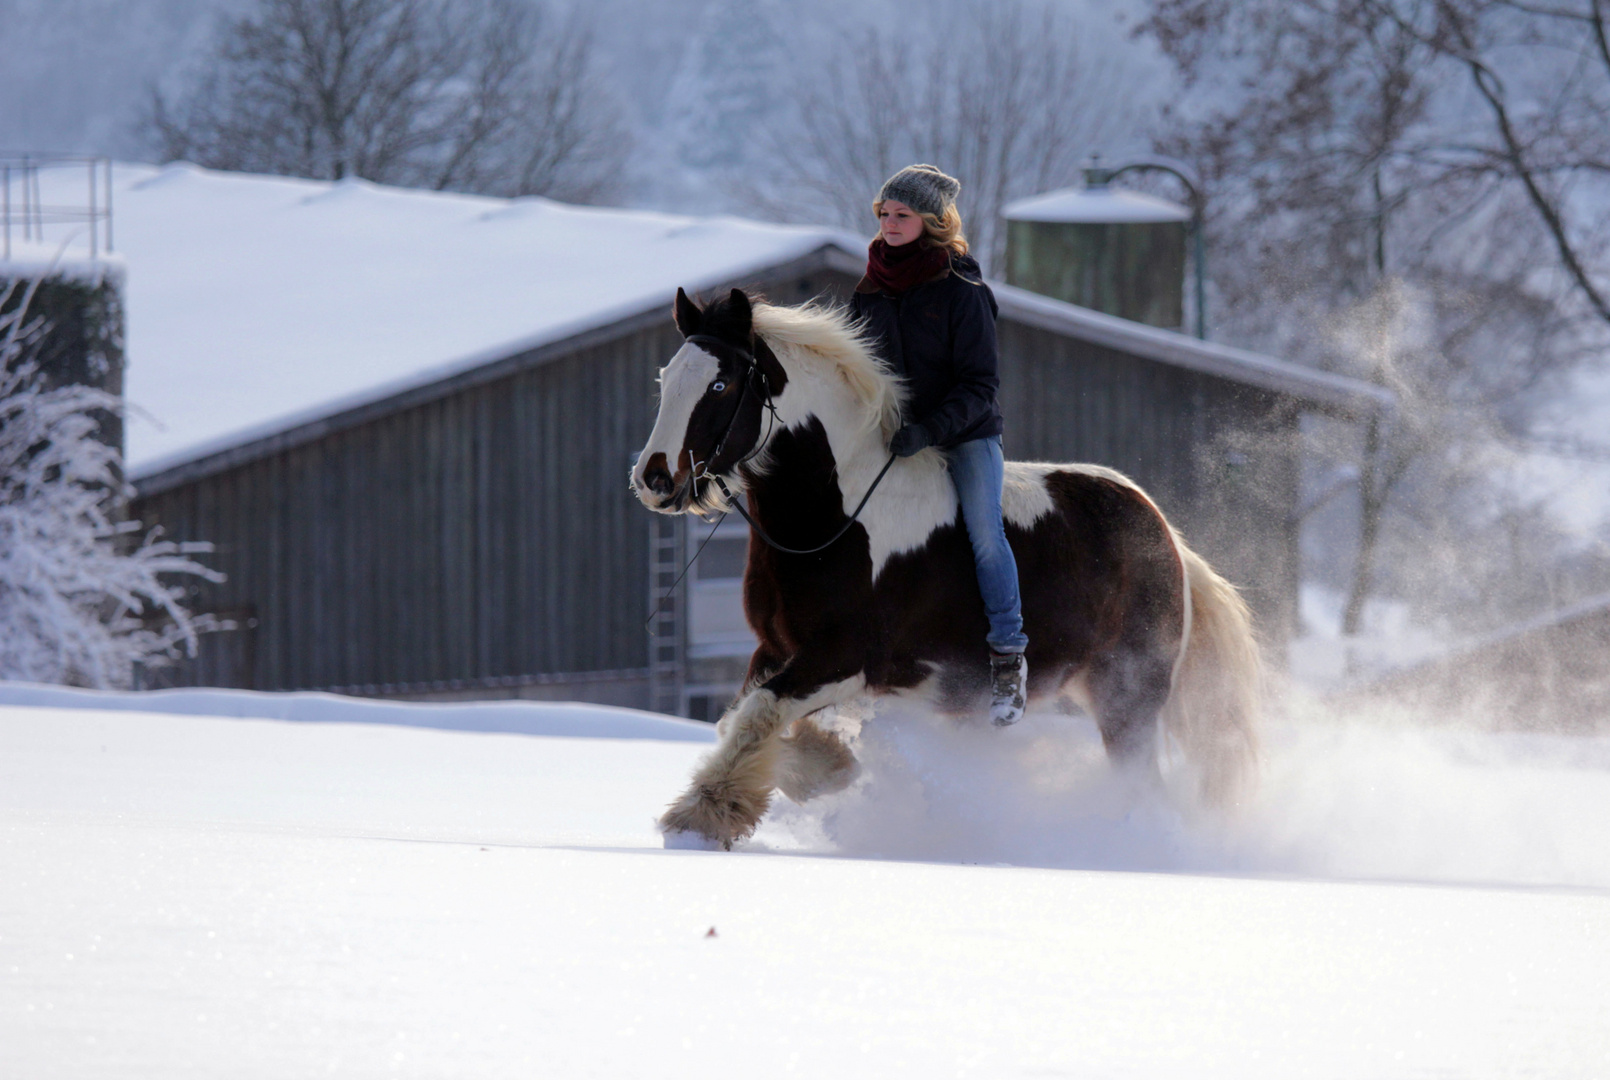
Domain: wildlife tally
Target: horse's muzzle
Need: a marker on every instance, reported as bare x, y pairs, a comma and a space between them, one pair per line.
657, 489
657, 477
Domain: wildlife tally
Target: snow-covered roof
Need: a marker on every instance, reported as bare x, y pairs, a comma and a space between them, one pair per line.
1096, 206
259, 307
27, 259
257, 303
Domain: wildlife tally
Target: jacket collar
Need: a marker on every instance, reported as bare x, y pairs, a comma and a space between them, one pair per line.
865, 285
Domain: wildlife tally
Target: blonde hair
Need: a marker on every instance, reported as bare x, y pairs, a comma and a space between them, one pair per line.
938, 230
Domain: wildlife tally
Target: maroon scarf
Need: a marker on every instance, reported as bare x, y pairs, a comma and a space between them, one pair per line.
897, 269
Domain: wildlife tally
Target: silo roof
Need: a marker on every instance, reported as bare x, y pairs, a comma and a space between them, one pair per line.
1096, 206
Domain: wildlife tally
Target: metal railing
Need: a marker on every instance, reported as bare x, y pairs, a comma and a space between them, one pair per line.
25, 214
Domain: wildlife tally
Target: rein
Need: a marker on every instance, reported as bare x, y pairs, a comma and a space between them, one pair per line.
755, 525
752, 369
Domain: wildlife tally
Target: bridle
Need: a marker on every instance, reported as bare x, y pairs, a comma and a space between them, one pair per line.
702, 469
752, 369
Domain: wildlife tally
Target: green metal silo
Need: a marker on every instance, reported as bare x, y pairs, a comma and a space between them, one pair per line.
1116, 251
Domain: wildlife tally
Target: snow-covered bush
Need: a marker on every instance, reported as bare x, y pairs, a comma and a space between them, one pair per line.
82, 597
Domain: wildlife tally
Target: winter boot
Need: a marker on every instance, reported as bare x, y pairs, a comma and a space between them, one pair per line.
1008, 675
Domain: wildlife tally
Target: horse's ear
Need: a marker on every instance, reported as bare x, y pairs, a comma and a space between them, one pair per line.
742, 312
686, 313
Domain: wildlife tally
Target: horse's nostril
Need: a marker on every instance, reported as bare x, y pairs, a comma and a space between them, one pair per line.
658, 480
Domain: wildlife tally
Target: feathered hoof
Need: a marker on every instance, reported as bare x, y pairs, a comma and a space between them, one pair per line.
719, 813
814, 761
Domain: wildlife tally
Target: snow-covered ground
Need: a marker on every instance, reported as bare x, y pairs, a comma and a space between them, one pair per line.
194, 896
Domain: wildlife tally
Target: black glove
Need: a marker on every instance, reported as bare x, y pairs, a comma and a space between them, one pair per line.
909, 439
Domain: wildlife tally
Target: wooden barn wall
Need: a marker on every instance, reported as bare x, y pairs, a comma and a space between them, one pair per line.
491, 534
487, 534
1219, 458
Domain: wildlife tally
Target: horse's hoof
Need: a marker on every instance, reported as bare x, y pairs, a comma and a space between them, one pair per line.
693, 841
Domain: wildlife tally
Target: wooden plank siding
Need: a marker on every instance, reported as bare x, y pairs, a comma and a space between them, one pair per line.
488, 534
1219, 458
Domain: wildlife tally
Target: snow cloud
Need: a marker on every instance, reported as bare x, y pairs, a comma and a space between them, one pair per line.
1356, 797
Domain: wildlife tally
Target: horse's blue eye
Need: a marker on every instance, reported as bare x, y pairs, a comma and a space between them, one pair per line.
718, 386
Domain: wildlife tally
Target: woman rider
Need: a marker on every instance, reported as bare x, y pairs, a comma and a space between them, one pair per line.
925, 303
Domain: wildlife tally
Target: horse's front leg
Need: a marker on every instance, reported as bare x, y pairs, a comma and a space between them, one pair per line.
731, 790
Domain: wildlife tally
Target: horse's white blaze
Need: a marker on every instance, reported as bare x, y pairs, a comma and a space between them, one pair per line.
683, 381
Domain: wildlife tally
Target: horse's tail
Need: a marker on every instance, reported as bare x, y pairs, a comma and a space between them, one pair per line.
1213, 709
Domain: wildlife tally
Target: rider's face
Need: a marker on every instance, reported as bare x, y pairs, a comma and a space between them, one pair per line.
898, 223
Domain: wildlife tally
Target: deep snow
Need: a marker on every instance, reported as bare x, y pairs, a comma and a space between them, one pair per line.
192, 896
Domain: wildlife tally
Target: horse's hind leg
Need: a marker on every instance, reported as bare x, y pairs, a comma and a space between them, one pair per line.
1127, 694
813, 761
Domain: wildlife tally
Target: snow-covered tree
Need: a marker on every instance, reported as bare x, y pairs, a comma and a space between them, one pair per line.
83, 596
1373, 211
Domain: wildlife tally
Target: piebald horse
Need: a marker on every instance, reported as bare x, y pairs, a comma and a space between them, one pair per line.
790, 406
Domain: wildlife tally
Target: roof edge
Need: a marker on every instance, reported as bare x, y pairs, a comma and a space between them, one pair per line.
1339, 395
1336, 394
285, 433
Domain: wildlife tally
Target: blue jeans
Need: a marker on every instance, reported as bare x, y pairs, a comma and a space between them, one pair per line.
977, 469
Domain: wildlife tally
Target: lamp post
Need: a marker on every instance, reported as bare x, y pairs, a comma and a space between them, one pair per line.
1099, 176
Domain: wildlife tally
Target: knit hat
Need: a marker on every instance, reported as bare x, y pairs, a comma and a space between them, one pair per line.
923, 188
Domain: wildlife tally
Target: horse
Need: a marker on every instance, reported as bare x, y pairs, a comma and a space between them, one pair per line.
860, 579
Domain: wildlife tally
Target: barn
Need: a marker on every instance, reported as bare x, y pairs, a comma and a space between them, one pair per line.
405, 420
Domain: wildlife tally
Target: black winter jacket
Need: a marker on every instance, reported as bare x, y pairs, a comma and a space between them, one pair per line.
940, 337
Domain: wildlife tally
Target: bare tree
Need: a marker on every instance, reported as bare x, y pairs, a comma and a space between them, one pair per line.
1542, 74
1354, 194
489, 96
1000, 96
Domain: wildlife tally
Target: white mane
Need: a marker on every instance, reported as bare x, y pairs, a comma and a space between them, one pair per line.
815, 336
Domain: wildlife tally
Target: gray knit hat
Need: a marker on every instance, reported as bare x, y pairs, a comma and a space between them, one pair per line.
923, 188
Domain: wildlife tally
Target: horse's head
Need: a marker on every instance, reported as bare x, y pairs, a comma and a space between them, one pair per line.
713, 396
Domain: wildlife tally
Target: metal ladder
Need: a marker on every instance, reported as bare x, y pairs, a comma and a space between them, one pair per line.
668, 630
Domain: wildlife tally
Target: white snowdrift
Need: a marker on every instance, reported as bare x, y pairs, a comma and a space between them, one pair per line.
515, 717
193, 897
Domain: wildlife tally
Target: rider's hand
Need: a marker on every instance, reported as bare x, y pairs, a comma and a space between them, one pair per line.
909, 439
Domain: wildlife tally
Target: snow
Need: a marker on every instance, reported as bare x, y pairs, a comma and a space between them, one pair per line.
30, 259
189, 896
256, 303
1102, 206
516, 717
